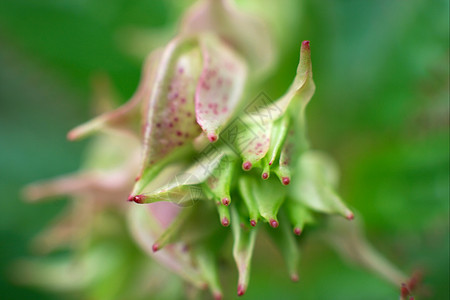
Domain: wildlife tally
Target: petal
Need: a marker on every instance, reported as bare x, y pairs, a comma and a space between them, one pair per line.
183, 187
301, 90
144, 229
253, 142
312, 185
277, 138
169, 112
349, 240
220, 86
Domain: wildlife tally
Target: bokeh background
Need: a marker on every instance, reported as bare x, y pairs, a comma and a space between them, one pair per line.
381, 110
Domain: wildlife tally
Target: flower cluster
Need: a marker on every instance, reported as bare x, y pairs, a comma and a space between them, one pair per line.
206, 150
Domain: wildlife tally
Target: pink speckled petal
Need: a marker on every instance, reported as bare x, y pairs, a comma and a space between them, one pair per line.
253, 142
220, 85
145, 228
245, 32
169, 111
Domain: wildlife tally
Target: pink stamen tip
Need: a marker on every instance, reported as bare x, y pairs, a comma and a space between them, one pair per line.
294, 277
265, 176
247, 166
306, 44
253, 223
155, 247
137, 198
225, 222
137, 178
226, 201
297, 231
240, 290
404, 291
286, 180
270, 163
273, 223
72, 135
350, 216
217, 296
212, 137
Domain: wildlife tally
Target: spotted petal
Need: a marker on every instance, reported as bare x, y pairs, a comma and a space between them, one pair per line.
220, 86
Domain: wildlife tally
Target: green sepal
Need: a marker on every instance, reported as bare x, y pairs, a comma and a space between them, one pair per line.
207, 264
298, 214
266, 195
244, 243
174, 230
313, 185
286, 242
277, 137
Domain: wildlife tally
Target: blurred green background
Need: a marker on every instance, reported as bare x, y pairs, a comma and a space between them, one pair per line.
381, 109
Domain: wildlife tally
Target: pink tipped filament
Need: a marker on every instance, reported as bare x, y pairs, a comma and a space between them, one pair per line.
226, 201
155, 247
265, 176
253, 223
217, 296
212, 137
297, 231
137, 198
225, 222
240, 290
350, 216
273, 223
285, 180
247, 166
404, 291
306, 44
